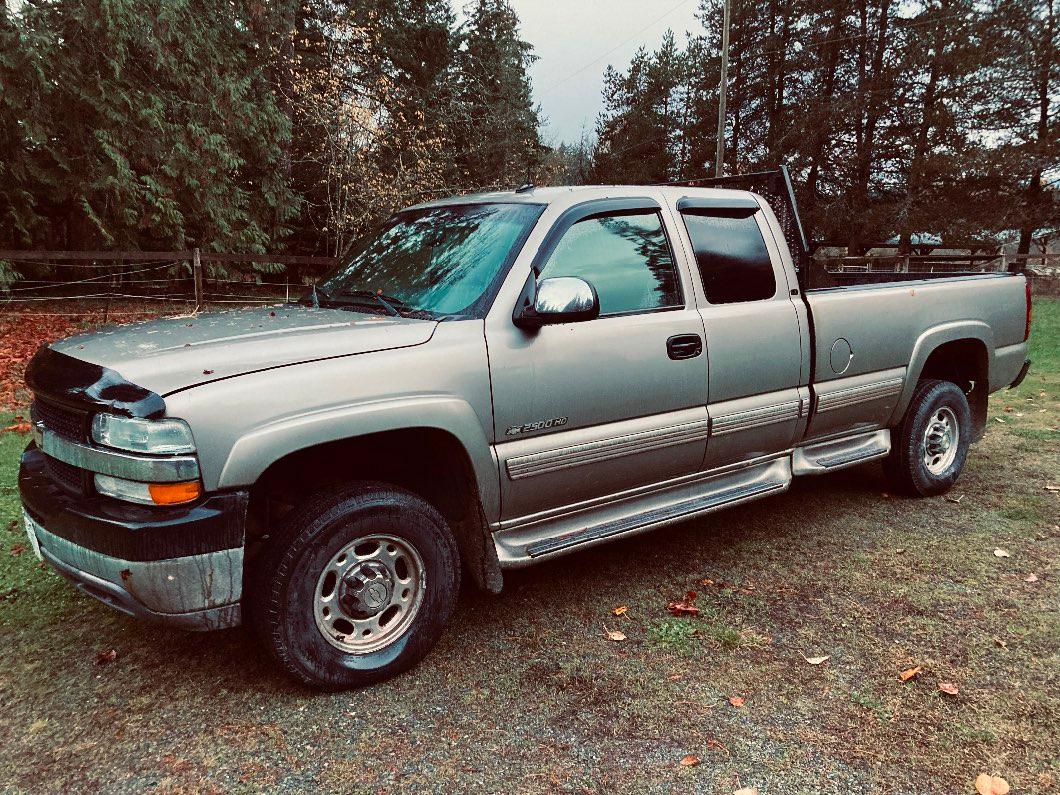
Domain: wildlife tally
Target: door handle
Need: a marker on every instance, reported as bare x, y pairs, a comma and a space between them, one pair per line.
684, 346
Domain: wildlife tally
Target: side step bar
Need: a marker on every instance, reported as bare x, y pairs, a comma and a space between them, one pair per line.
840, 453
642, 521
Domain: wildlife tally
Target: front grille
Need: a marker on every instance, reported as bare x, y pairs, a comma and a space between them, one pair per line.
65, 422
66, 475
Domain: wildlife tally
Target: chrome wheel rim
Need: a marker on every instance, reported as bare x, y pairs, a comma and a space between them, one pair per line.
941, 438
369, 593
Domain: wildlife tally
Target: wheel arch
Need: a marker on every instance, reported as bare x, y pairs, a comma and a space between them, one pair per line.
436, 449
961, 352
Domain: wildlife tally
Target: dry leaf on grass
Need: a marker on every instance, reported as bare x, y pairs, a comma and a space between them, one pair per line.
106, 656
1051, 487
985, 784
615, 635
620, 610
685, 607
737, 701
909, 673
948, 688
746, 791
998, 419
1032, 577
1001, 553
956, 500
1002, 643
689, 761
816, 660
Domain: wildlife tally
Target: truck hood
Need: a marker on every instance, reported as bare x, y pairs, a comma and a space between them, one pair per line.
176, 353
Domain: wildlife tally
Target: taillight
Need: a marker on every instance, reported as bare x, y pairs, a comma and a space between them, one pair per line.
1027, 328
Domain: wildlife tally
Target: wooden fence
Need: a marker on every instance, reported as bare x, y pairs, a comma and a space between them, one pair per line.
196, 278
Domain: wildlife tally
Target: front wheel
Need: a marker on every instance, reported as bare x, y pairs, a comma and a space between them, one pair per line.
930, 446
356, 586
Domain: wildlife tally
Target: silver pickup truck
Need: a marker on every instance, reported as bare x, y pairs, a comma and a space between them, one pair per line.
487, 382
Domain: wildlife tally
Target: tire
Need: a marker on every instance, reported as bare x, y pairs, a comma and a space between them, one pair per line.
925, 460
356, 586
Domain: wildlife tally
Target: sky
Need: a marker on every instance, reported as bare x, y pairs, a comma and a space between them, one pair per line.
576, 39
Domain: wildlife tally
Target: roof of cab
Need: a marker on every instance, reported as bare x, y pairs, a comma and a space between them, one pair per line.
574, 194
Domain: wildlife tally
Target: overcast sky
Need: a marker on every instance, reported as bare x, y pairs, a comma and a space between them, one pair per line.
576, 39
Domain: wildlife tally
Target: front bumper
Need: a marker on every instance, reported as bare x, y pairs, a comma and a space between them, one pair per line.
181, 565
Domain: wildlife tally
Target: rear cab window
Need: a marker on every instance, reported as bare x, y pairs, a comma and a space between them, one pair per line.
731, 254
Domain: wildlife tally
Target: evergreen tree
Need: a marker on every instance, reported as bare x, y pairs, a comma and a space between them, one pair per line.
497, 142
153, 126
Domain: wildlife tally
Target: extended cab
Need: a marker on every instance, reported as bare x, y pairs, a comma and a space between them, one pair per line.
487, 382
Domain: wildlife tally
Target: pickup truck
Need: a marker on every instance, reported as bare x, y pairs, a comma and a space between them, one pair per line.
484, 383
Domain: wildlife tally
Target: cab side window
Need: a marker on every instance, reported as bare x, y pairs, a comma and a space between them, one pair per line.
625, 256
732, 257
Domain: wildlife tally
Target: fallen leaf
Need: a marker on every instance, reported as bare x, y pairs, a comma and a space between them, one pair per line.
106, 656
17, 550
985, 784
909, 673
737, 701
1002, 643
746, 791
1032, 577
948, 688
685, 607
18, 427
1051, 487
1001, 553
615, 635
816, 660
690, 761
998, 419
620, 610
956, 500
900, 551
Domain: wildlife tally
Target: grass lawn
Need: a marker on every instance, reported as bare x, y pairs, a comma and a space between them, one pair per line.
526, 692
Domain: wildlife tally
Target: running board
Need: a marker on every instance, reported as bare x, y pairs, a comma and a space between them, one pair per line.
840, 453
651, 518
521, 545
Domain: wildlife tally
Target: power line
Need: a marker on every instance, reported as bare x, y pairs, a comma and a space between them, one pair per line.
614, 49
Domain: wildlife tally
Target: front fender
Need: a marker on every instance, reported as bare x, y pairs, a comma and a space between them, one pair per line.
931, 339
256, 450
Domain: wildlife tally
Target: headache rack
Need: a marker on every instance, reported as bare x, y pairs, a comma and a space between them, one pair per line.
775, 187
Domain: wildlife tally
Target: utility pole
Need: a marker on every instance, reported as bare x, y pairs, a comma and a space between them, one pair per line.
719, 159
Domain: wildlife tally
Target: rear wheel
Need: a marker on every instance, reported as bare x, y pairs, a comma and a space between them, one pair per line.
930, 446
356, 586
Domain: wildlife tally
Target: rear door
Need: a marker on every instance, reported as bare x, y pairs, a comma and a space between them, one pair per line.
752, 330
586, 411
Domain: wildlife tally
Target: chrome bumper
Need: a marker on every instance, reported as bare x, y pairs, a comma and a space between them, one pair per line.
196, 592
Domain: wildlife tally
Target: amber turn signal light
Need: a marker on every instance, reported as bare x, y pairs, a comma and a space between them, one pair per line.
174, 493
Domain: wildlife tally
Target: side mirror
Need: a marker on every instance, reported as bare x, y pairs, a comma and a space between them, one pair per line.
564, 299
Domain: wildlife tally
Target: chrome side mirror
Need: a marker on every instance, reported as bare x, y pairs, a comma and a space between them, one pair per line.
564, 299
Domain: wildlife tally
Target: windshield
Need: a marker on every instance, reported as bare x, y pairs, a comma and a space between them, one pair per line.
437, 260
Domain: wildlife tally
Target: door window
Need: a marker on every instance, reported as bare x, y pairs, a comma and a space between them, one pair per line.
625, 256
732, 257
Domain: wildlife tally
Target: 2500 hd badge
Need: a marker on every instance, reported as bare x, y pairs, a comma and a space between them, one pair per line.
540, 425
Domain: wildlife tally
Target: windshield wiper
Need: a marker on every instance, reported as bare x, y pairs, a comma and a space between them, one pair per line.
389, 302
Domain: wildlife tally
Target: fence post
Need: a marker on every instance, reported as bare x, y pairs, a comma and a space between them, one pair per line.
196, 272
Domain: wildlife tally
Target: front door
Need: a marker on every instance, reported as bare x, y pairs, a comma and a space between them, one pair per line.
587, 410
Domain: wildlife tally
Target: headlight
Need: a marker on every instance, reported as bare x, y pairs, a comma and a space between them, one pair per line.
157, 437
148, 493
